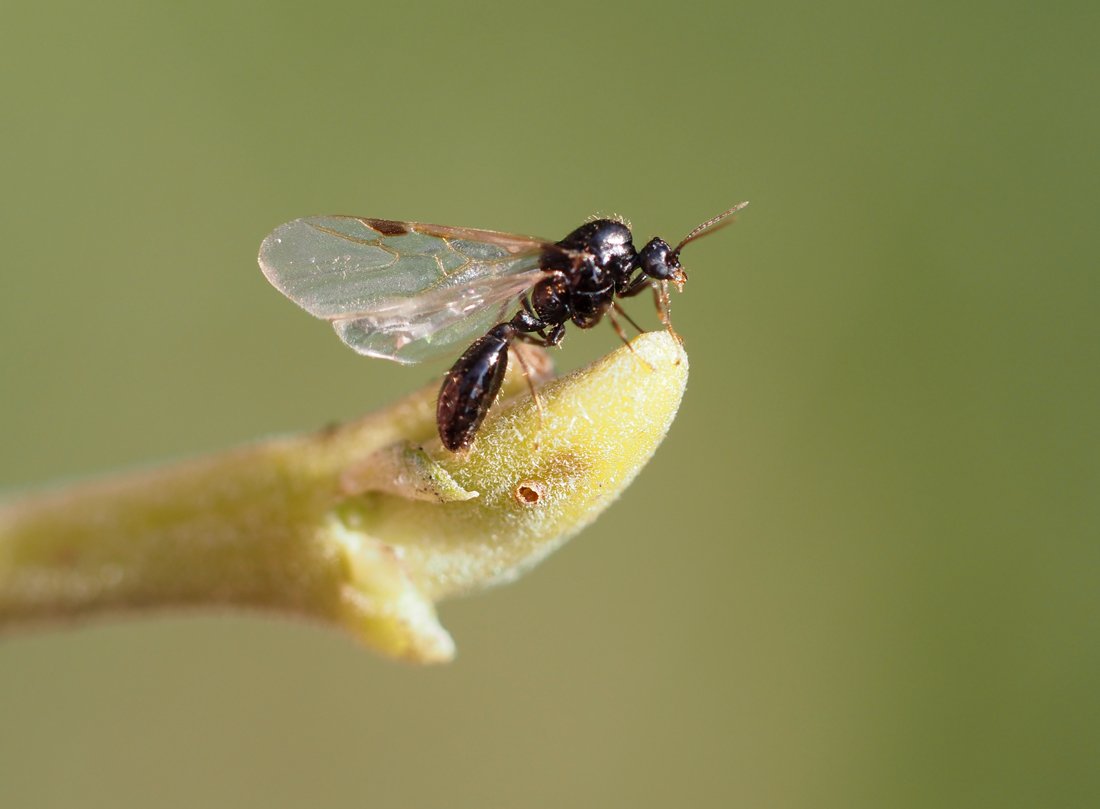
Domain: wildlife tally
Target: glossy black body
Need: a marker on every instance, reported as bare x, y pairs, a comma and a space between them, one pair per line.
472, 381
591, 266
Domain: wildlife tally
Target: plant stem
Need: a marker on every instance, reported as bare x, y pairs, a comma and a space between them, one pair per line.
366, 525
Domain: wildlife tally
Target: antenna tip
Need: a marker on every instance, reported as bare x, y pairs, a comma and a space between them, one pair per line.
709, 225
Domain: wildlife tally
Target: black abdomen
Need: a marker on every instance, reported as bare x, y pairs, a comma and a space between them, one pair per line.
471, 386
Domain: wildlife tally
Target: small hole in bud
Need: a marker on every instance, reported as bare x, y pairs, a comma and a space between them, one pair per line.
529, 493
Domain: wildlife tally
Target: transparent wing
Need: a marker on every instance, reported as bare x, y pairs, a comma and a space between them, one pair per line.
412, 329
400, 290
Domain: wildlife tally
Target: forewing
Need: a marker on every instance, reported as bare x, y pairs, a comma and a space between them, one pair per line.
413, 329
400, 290
343, 266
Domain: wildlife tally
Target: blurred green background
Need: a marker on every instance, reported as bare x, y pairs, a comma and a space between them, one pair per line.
862, 570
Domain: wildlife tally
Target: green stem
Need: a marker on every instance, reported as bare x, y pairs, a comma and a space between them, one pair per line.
366, 525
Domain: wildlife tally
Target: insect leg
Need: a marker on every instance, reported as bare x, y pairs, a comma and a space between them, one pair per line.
527, 376
629, 319
532, 322
660, 296
527, 322
622, 335
555, 337
636, 286
557, 334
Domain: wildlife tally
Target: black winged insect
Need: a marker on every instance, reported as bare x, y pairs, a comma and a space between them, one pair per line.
407, 291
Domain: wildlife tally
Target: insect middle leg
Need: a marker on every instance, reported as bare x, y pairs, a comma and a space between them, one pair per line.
528, 325
615, 305
622, 334
660, 298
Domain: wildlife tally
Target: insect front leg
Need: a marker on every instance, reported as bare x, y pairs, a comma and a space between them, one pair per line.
636, 287
664, 305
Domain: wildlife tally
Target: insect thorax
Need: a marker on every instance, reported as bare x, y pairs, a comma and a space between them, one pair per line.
609, 244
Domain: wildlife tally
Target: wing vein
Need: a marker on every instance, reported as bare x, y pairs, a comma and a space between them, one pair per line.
397, 295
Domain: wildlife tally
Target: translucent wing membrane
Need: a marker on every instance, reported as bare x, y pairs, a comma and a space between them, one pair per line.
412, 329
400, 290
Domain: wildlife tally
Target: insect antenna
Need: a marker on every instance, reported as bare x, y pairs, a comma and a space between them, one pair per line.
708, 226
